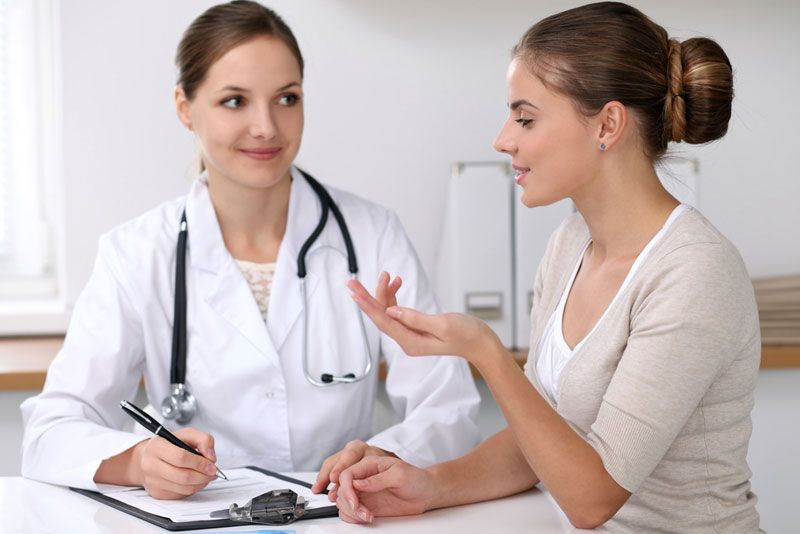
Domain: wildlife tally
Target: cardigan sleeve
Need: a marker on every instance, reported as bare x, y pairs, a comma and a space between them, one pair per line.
695, 317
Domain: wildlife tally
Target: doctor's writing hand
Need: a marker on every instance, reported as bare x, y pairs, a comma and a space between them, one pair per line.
169, 472
421, 334
380, 486
352, 453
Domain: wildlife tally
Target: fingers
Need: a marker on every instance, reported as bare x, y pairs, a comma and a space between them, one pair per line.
335, 464
163, 479
351, 509
196, 468
374, 310
353, 512
421, 338
347, 499
386, 290
384, 480
169, 482
351, 454
323, 477
201, 441
185, 460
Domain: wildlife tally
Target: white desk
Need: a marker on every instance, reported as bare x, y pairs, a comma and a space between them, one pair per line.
32, 507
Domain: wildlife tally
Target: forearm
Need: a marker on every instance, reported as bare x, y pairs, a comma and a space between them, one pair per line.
496, 468
570, 468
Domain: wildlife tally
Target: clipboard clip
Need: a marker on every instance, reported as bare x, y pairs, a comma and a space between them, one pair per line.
275, 507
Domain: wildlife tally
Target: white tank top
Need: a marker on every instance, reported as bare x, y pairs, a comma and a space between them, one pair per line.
552, 352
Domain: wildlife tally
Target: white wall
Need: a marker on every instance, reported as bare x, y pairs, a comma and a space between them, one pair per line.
396, 91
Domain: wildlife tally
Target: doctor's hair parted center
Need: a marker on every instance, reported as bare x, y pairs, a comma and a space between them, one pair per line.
609, 51
221, 28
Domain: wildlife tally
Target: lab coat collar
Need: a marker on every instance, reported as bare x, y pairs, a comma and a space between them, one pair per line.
222, 283
218, 279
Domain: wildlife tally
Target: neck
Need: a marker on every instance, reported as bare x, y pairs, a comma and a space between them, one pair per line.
252, 220
624, 208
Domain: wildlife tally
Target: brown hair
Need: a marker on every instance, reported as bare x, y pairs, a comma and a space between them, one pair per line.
221, 28
610, 51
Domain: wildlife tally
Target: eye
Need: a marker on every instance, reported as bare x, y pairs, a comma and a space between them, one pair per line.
289, 99
523, 121
233, 102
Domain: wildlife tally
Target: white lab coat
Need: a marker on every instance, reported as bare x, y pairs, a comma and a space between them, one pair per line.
248, 379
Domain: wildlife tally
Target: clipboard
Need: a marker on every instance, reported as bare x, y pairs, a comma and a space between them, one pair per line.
168, 524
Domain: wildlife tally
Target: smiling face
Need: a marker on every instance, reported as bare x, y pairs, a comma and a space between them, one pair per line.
247, 114
554, 149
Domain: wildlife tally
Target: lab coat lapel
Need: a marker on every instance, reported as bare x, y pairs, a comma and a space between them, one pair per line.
218, 278
286, 301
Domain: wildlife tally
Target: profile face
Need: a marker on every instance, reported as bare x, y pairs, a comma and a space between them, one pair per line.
552, 146
248, 113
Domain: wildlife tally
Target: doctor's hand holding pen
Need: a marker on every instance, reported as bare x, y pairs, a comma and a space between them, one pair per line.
354, 451
164, 470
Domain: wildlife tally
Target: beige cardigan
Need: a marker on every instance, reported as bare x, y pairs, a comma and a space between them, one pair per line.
663, 388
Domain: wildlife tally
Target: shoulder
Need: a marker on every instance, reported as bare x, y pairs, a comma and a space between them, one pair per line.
151, 234
364, 214
701, 252
696, 274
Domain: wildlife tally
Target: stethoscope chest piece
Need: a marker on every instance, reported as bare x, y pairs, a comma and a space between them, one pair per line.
180, 404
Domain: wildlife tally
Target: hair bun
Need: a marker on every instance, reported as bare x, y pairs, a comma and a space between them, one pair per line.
675, 104
697, 108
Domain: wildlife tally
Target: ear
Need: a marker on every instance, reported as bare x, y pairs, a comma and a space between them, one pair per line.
612, 120
182, 107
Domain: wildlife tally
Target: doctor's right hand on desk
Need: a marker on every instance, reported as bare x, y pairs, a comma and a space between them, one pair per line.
164, 470
382, 486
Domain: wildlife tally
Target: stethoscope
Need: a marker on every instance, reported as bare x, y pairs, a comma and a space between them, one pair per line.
181, 404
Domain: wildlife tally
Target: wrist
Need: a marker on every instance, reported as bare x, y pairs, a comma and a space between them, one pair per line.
488, 350
437, 487
134, 472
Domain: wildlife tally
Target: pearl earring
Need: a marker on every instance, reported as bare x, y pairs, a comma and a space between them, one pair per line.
603, 147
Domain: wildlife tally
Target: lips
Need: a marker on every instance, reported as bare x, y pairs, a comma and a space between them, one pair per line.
262, 154
520, 173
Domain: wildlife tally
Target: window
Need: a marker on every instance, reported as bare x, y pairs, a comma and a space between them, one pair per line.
29, 157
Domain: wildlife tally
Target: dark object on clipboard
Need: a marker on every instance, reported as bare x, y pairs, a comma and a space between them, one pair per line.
276, 507
167, 523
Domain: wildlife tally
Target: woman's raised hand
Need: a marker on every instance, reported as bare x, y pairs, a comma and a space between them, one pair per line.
420, 334
383, 486
386, 291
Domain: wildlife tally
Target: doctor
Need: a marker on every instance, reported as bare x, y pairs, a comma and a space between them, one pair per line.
256, 351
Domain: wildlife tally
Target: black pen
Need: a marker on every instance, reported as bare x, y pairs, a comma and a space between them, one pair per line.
141, 417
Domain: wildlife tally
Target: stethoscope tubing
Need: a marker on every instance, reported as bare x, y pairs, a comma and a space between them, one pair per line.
180, 394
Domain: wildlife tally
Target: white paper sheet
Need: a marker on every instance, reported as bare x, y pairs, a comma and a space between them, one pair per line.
241, 486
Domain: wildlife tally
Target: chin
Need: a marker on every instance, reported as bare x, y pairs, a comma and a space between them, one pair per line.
531, 200
264, 177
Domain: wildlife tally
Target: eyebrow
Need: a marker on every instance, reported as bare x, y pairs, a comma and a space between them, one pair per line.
518, 103
243, 90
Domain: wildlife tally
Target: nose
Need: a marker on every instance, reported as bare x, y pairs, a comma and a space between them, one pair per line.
504, 142
261, 123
